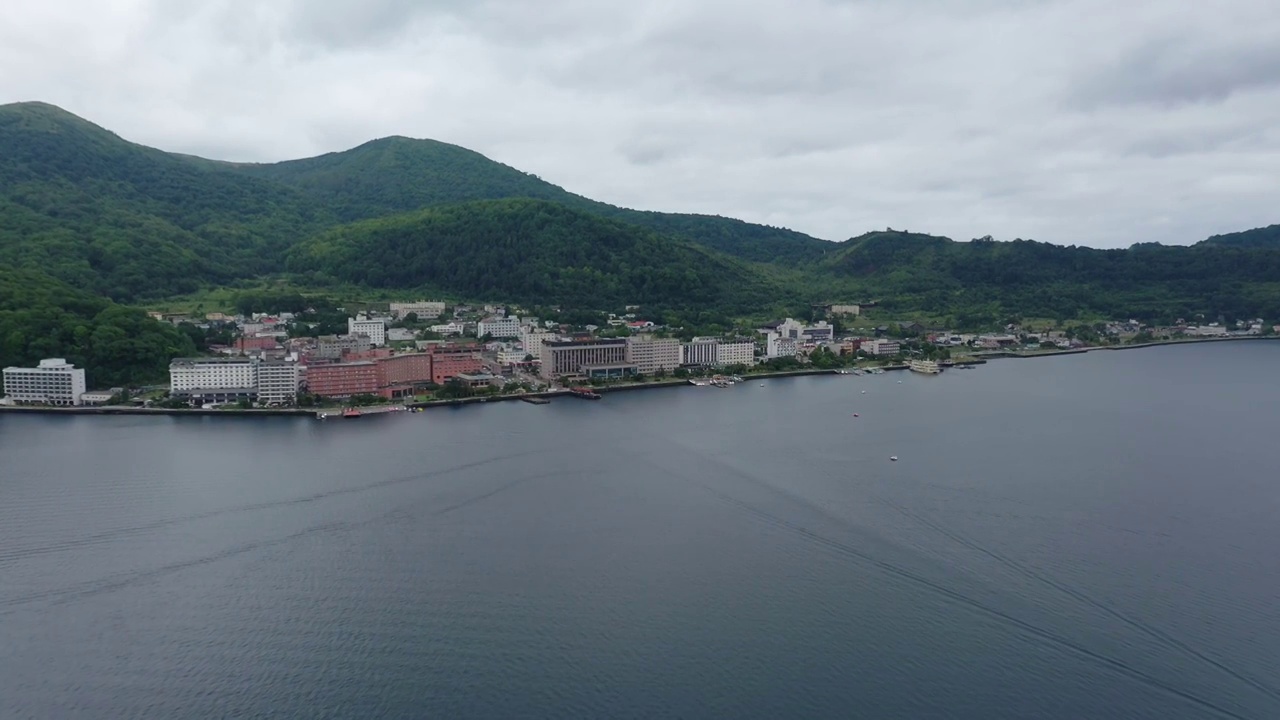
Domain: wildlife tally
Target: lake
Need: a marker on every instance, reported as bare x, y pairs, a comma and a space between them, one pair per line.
1081, 536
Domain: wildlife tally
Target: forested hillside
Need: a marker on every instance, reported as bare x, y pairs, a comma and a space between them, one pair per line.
129, 221
532, 251
1266, 237
1036, 279
398, 174
41, 317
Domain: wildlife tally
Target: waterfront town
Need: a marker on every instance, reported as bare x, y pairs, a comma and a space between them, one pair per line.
425, 350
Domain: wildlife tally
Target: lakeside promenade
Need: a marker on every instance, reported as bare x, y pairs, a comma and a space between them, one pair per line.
977, 358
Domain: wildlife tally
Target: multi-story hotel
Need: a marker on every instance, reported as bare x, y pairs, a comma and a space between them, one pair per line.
333, 347
499, 327
278, 382
375, 328
603, 357
737, 352
531, 339
651, 355
449, 362
343, 380
880, 347
53, 382
700, 351
214, 379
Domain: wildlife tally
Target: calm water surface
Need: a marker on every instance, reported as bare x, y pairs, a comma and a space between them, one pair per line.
1079, 537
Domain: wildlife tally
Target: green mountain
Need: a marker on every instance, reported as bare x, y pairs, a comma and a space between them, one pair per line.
399, 174
532, 251
41, 317
1268, 236
129, 221
983, 279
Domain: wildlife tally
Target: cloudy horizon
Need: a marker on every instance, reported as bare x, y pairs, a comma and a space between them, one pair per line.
1067, 121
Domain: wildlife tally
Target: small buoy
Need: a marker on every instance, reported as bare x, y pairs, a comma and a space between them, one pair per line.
894, 458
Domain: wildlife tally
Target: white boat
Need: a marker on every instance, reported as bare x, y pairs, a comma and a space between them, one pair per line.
928, 367
893, 458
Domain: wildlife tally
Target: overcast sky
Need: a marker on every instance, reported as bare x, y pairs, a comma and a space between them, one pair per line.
1090, 122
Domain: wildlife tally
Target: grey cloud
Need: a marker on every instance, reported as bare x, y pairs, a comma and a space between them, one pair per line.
1176, 71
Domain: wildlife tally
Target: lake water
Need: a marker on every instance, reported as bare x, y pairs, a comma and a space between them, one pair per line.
1090, 536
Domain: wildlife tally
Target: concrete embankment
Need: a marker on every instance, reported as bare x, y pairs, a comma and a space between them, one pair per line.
197, 412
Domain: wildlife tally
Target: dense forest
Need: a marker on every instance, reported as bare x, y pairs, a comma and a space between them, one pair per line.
89, 220
41, 317
532, 251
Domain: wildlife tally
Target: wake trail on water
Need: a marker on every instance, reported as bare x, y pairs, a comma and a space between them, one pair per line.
79, 591
11, 555
853, 553
1153, 632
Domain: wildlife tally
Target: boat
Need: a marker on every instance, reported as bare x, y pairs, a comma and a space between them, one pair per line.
893, 458
928, 367
534, 400
876, 371
585, 393
351, 413
761, 384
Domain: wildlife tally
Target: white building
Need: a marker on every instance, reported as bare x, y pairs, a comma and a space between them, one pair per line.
53, 382
278, 383
499, 327
881, 347
779, 346
531, 340
424, 309
739, 352
401, 334
790, 328
512, 356
650, 354
838, 309
375, 328
702, 351
453, 328
214, 379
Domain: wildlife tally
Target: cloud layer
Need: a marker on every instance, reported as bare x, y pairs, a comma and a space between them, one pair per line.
1071, 121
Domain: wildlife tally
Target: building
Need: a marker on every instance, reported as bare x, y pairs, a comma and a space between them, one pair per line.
604, 357
792, 329
401, 334
531, 340
499, 327
821, 331
54, 381
651, 355
737, 352
333, 347
343, 380
511, 356
450, 361
845, 309
375, 328
779, 346
475, 380
880, 347
278, 382
211, 380
424, 309
99, 397
701, 351
406, 369
453, 328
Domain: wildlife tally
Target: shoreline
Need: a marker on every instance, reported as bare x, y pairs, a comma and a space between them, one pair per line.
315, 413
